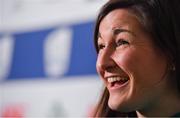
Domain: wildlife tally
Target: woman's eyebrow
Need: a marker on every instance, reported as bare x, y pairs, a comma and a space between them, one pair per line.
117, 31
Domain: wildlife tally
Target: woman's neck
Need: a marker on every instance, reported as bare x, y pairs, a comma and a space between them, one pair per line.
167, 105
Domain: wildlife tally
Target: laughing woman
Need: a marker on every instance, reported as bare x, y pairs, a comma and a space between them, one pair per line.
138, 46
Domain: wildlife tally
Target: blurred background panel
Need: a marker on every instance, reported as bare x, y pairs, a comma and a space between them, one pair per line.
47, 58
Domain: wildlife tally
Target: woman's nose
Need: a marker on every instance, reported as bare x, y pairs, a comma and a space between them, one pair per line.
105, 60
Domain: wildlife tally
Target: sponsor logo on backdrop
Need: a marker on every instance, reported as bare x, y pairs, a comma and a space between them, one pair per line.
53, 52
6, 53
57, 47
13, 111
56, 109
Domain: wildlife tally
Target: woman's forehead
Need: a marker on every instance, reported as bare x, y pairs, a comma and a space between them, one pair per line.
117, 21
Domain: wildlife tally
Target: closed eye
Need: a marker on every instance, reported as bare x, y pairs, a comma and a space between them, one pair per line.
121, 42
101, 46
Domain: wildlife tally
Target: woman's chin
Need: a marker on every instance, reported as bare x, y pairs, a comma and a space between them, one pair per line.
113, 105
117, 106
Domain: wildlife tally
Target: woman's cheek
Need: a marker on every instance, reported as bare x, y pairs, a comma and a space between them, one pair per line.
125, 60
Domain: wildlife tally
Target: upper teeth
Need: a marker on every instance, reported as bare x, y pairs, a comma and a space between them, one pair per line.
114, 79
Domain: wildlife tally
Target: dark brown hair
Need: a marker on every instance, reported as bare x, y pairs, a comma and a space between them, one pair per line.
160, 18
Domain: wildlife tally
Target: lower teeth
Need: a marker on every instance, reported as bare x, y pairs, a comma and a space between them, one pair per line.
119, 82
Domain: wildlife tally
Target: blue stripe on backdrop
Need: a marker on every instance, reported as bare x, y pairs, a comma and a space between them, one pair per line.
83, 53
28, 55
28, 62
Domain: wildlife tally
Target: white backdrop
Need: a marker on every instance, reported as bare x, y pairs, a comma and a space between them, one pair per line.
47, 58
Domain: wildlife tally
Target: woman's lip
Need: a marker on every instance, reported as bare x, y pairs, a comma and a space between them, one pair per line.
117, 86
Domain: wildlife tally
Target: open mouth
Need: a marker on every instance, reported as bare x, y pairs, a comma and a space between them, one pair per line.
117, 81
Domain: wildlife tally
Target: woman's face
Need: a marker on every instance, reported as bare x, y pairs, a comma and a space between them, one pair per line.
130, 65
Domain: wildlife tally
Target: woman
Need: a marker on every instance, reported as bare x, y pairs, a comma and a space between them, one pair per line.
138, 46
